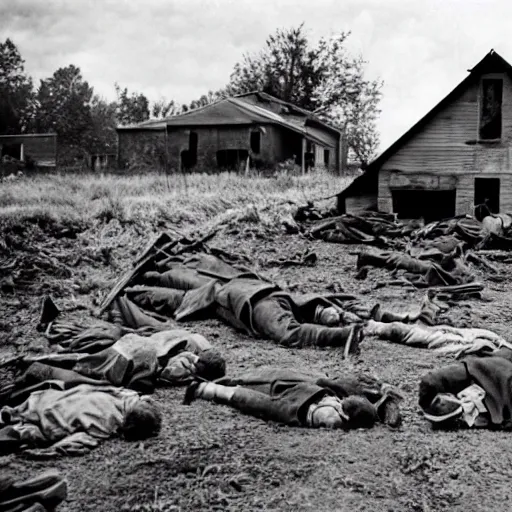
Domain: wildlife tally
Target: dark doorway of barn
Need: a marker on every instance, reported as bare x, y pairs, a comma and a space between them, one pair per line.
427, 204
232, 159
255, 142
12, 150
487, 196
189, 156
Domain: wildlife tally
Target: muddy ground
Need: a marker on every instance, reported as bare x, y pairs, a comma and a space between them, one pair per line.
209, 457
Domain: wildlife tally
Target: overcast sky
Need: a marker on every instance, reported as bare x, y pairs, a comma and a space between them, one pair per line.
182, 48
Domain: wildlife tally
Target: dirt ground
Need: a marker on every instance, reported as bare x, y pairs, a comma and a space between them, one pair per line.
209, 457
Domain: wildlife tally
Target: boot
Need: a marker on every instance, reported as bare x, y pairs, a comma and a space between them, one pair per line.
353, 341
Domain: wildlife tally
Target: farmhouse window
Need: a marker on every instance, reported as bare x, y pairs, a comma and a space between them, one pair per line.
490, 108
326, 157
255, 142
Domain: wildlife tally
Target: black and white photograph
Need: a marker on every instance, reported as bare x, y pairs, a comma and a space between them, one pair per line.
254, 256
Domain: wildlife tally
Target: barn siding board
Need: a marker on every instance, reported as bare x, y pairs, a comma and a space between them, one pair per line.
360, 204
212, 139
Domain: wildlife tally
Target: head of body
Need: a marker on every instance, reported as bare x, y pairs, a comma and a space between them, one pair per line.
348, 413
142, 421
445, 411
210, 365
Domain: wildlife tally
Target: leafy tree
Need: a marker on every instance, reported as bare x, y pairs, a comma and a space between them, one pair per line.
322, 78
64, 106
101, 136
131, 108
164, 108
16, 91
286, 68
344, 98
207, 99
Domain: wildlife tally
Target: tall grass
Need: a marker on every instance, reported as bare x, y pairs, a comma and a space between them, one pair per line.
153, 198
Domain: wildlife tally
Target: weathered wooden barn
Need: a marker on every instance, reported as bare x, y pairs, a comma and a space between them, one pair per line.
39, 148
456, 157
253, 129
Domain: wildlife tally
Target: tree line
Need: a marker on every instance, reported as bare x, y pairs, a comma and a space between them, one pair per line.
321, 77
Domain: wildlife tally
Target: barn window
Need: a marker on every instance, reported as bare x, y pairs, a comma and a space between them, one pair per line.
326, 157
487, 197
255, 142
490, 108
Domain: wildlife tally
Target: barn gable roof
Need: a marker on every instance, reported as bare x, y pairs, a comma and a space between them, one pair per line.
491, 63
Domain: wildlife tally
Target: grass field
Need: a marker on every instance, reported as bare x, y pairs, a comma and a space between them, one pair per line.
72, 236
183, 200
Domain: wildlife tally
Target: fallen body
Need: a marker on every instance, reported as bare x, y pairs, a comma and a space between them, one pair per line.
474, 392
421, 272
443, 338
189, 289
167, 358
72, 421
299, 399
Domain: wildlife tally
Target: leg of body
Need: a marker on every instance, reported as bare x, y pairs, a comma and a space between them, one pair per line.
247, 401
406, 334
274, 318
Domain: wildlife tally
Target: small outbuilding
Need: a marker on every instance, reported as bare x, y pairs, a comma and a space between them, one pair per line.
37, 148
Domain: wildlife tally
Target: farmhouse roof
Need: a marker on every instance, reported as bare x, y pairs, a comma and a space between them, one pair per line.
492, 62
238, 111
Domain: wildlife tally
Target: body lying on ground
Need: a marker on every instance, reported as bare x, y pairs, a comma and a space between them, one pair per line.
166, 358
443, 338
421, 272
474, 392
301, 399
204, 285
54, 420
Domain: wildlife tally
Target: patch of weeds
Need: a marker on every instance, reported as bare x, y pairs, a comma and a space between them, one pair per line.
99, 191
111, 208
250, 215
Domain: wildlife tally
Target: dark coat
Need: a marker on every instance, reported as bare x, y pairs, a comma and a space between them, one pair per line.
492, 374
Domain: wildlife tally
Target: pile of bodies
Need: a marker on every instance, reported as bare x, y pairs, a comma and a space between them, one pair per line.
97, 383
440, 254
383, 229
436, 254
